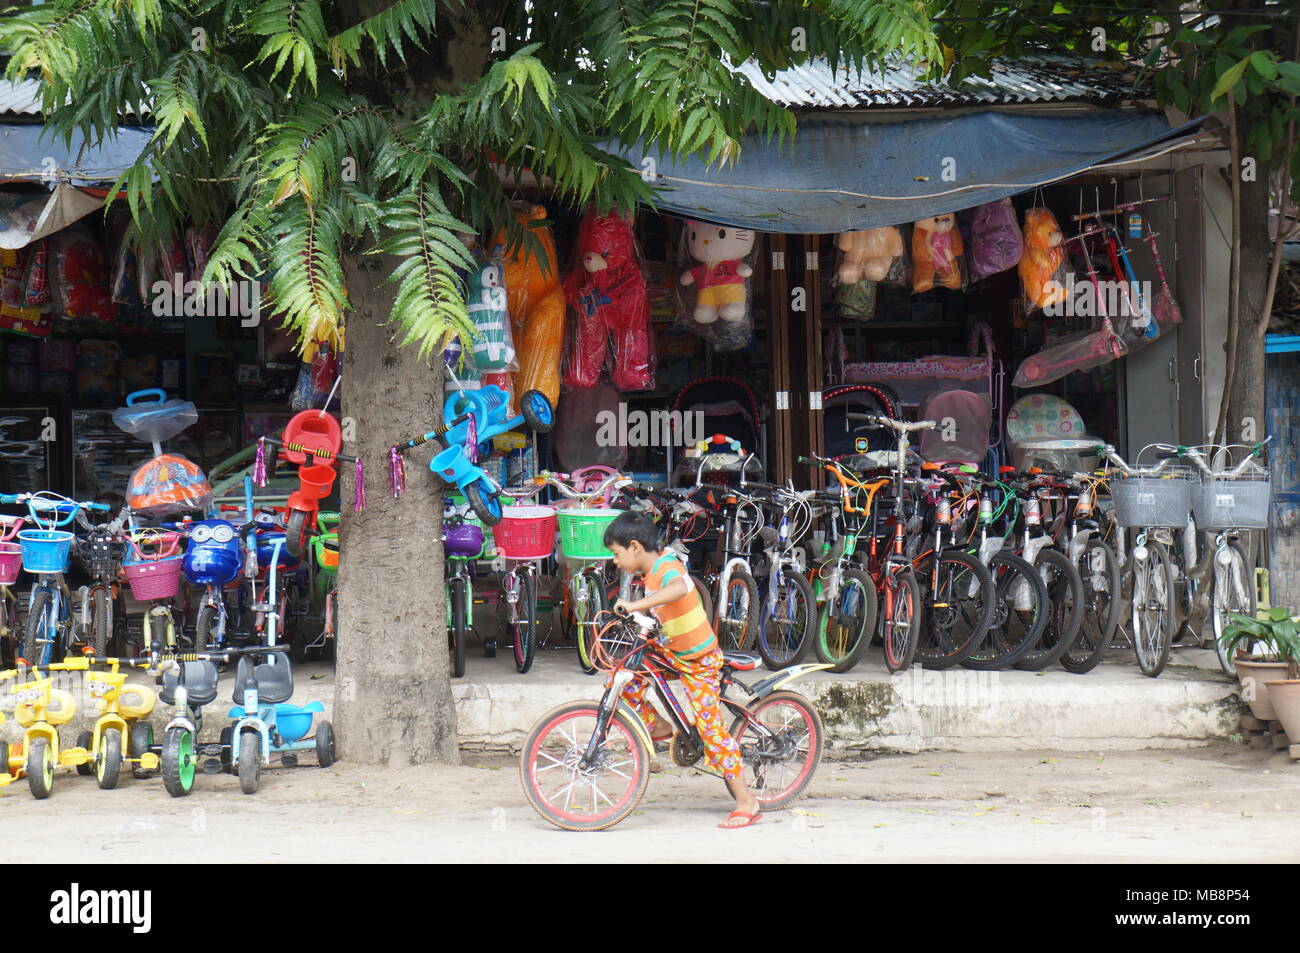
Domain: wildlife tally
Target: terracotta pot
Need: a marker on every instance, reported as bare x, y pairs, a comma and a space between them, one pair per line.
1262, 672
1285, 696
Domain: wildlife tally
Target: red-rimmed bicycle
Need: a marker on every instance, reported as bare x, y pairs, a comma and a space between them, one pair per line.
586, 764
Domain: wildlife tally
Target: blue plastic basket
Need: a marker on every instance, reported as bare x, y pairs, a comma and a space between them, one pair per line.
45, 550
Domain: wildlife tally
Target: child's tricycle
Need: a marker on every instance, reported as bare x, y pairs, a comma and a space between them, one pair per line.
475, 416
40, 708
265, 723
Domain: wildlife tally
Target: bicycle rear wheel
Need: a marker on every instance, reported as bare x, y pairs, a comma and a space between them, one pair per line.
1153, 610
845, 627
1020, 610
1065, 610
1099, 569
780, 757
783, 640
522, 617
957, 593
577, 797
1234, 591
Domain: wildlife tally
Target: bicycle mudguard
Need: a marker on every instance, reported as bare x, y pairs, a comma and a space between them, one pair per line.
778, 680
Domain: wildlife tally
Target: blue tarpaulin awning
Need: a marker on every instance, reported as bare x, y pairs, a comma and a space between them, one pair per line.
843, 176
31, 152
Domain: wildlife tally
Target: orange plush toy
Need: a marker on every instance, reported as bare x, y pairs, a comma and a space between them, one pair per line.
1043, 261
536, 301
936, 250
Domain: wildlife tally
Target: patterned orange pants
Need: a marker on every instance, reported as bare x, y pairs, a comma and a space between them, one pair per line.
700, 679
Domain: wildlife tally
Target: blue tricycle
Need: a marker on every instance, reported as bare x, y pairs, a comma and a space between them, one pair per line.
476, 416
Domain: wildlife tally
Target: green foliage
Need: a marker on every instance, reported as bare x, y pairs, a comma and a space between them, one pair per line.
307, 136
1273, 638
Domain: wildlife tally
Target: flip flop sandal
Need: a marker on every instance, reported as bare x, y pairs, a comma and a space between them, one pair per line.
750, 819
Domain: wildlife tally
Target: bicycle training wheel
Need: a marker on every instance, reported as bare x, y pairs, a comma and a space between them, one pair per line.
577, 796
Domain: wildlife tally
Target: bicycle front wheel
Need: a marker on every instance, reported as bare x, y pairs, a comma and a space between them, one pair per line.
737, 612
1153, 611
900, 619
522, 618
787, 621
458, 623
37, 644
957, 592
584, 797
1234, 591
1065, 610
1020, 610
847, 622
1099, 569
588, 601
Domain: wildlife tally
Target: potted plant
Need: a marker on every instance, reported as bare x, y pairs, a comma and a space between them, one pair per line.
1261, 646
1284, 694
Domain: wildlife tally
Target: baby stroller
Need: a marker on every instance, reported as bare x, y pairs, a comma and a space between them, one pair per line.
964, 419
845, 408
727, 406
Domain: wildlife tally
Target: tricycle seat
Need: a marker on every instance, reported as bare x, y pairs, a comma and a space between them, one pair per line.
199, 679
274, 681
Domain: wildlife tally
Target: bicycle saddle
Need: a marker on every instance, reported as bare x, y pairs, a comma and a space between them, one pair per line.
199, 679
274, 681
742, 661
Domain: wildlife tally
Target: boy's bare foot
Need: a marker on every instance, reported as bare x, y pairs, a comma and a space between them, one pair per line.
747, 808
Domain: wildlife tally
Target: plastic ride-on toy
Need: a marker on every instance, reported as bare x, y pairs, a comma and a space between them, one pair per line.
11, 772
265, 723
188, 685
123, 713
476, 417
311, 441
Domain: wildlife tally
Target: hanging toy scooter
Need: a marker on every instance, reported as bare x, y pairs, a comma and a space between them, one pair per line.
169, 484
476, 416
311, 441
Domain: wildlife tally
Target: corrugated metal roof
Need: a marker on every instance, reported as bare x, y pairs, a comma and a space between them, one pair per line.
21, 98
1038, 78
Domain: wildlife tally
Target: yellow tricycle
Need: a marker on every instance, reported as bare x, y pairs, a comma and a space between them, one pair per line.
41, 708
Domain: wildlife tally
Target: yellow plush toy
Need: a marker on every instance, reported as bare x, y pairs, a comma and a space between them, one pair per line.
536, 301
868, 254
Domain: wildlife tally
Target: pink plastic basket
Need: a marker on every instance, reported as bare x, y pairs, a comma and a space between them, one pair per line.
525, 532
11, 561
154, 579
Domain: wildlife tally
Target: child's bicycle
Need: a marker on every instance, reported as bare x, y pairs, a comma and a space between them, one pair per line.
46, 554
153, 569
100, 613
11, 564
586, 764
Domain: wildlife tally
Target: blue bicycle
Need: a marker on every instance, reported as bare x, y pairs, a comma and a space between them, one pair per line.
46, 552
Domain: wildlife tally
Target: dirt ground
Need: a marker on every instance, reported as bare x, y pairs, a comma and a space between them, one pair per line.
1223, 803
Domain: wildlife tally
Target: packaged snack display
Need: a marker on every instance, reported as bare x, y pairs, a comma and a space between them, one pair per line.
1043, 261
36, 288
606, 292
936, 253
996, 243
536, 302
714, 287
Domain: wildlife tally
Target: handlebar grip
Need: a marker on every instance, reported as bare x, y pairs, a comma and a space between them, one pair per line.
1167, 454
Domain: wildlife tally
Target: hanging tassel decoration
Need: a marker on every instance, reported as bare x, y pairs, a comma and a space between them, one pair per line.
259, 463
359, 489
396, 473
471, 439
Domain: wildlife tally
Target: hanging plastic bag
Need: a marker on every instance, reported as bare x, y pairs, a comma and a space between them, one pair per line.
316, 377
80, 280
1042, 266
937, 253
713, 288
167, 485
606, 291
1080, 353
586, 429
865, 259
536, 302
36, 289
486, 299
996, 243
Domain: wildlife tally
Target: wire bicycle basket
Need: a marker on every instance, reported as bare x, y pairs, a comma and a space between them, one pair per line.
1141, 501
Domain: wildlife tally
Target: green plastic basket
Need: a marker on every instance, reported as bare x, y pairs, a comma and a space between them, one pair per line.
582, 532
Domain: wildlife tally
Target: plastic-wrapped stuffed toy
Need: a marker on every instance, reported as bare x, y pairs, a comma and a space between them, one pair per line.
936, 253
1043, 260
494, 348
720, 309
868, 254
607, 293
996, 243
536, 302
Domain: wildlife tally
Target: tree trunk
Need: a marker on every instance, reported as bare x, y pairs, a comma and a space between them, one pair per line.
1247, 415
393, 702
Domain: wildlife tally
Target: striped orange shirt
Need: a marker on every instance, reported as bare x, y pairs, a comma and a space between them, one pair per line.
685, 625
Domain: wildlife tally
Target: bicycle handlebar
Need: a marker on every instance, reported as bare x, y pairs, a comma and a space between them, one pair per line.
432, 434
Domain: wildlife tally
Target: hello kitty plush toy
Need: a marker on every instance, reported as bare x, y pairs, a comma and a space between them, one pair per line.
720, 278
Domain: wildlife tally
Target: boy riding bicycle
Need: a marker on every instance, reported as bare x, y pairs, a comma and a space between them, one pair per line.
634, 541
